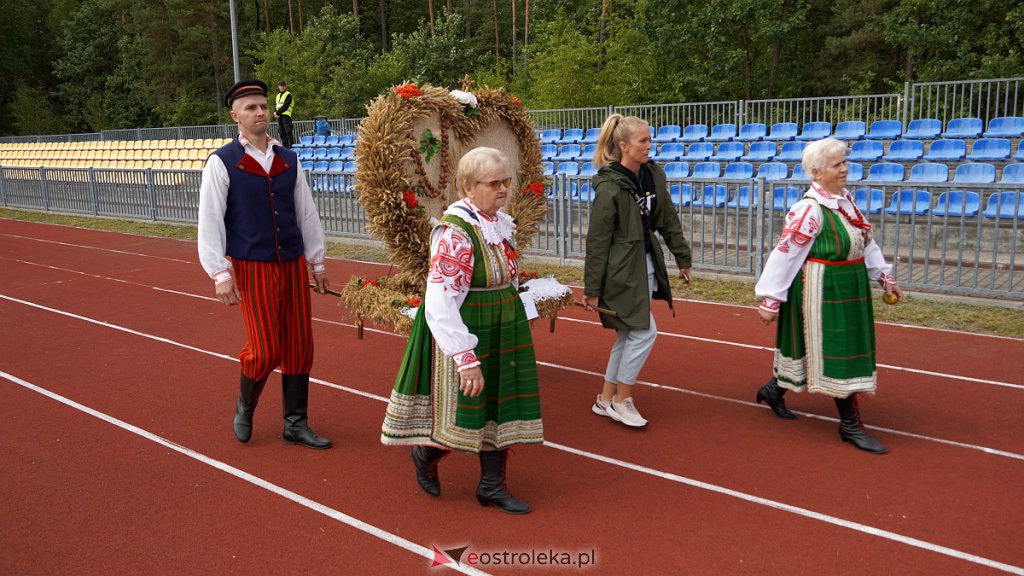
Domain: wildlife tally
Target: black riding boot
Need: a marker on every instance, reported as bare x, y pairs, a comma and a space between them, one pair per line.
852, 430
491, 489
295, 391
248, 397
426, 459
771, 394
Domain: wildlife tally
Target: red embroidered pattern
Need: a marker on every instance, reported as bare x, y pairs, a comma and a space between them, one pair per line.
452, 264
794, 231
770, 304
464, 358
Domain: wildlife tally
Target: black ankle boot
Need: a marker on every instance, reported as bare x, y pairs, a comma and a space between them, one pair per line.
491, 489
426, 459
295, 390
852, 430
771, 394
248, 397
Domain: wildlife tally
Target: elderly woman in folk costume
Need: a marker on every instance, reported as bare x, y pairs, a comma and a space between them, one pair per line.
816, 282
468, 379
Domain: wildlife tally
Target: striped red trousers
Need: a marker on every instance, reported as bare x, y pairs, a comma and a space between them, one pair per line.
277, 316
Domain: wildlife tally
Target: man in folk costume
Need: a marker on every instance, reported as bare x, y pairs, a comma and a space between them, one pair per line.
816, 282
258, 232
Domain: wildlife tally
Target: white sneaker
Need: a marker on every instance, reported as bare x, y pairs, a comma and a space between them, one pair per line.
601, 407
626, 413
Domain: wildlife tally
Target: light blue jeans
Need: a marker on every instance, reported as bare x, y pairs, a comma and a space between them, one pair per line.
632, 347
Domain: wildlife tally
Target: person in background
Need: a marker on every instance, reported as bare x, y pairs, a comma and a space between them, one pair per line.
283, 111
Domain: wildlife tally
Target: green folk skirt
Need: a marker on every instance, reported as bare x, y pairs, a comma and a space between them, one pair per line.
426, 406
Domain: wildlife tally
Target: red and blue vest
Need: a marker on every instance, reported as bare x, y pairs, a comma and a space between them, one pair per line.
260, 218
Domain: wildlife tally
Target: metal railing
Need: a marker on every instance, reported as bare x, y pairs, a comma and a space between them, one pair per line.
985, 99
569, 118
831, 109
708, 113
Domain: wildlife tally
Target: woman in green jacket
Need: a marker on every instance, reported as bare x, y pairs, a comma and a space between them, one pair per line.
624, 266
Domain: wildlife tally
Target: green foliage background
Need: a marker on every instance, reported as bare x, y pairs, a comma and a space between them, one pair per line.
89, 65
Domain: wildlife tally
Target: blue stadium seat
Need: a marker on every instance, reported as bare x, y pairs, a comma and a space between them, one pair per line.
975, 173
1020, 151
989, 150
548, 151
905, 151
567, 152
320, 166
815, 131
336, 166
588, 153
728, 152
923, 129
772, 171
670, 152
722, 133
346, 140
707, 170
761, 152
549, 168
886, 172
928, 172
348, 153
694, 133
963, 128
699, 151
752, 132
550, 136
319, 141
1012, 174
677, 170
866, 151
682, 194
653, 152
306, 141
946, 151
737, 170
907, 202
591, 137
571, 136
1005, 205
350, 168
333, 154
320, 153
791, 152
957, 203
333, 141
743, 198
869, 201
798, 173
1005, 127
855, 172
885, 130
782, 131
568, 169
850, 130
305, 153
587, 169
714, 195
784, 198
667, 133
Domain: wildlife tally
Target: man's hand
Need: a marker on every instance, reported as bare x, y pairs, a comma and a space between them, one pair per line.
322, 283
684, 275
591, 301
228, 293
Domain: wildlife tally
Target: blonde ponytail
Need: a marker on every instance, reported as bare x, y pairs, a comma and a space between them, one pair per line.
615, 129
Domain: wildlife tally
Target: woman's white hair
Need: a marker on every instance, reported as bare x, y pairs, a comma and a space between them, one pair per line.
473, 163
817, 153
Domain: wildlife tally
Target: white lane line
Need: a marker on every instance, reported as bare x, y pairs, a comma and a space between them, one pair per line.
856, 526
243, 475
98, 248
750, 498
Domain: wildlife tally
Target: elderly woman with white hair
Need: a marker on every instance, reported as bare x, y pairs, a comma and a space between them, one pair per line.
817, 284
468, 379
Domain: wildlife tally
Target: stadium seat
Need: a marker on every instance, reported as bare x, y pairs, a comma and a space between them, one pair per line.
569, 152
549, 168
785, 198
1005, 127
305, 141
682, 194
318, 141
350, 168
928, 172
905, 151
699, 151
957, 203
550, 136
743, 198
946, 151
667, 133
571, 136
588, 153
963, 128
568, 169
866, 151
714, 196
677, 170
336, 166
653, 152
782, 131
869, 201
1020, 151
772, 171
320, 166
760, 152
722, 133
587, 169
670, 152
989, 150
752, 132
333, 153
346, 140
318, 153
707, 170
548, 151
923, 129
728, 152
694, 133
855, 172
815, 131
885, 172
1012, 174
1005, 205
885, 130
591, 137
791, 152
333, 140
739, 170
850, 130
798, 173
975, 173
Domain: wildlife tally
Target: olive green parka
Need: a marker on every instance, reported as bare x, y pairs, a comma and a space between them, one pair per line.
616, 265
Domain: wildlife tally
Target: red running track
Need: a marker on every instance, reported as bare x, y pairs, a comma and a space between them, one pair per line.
118, 377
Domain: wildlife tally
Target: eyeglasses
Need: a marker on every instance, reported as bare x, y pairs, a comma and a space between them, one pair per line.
494, 185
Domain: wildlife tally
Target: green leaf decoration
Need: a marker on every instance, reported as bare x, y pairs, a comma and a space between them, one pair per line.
429, 145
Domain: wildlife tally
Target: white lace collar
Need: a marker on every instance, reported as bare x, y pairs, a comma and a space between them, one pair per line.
824, 198
495, 229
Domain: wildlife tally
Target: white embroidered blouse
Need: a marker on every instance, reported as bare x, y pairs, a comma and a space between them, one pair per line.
802, 226
449, 277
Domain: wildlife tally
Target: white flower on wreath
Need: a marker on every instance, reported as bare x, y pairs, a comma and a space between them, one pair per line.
464, 98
